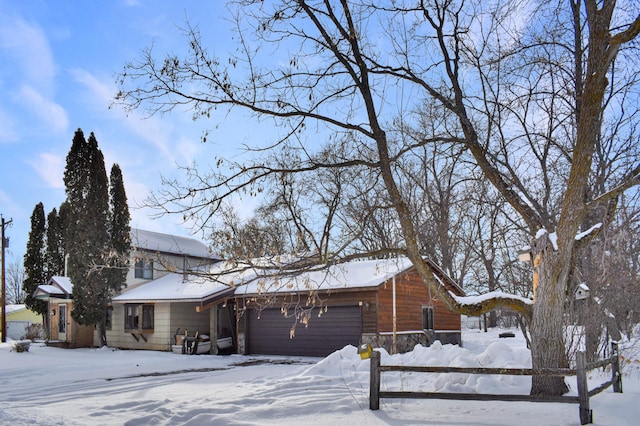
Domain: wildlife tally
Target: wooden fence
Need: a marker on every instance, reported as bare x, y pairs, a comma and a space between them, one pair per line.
582, 367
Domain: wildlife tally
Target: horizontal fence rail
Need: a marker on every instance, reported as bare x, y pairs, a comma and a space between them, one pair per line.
582, 367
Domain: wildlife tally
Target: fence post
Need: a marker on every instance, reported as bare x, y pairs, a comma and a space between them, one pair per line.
374, 381
616, 377
586, 416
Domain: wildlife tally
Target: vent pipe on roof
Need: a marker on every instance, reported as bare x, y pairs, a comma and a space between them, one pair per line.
184, 269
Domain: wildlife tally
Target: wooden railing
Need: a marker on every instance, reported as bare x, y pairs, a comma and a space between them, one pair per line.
582, 367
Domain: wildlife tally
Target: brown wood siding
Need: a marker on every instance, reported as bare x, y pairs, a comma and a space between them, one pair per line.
411, 295
444, 319
377, 305
77, 336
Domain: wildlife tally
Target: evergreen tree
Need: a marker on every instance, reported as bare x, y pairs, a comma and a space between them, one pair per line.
87, 237
54, 252
119, 230
34, 264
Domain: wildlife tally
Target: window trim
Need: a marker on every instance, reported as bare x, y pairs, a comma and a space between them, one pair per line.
143, 269
139, 317
428, 322
147, 316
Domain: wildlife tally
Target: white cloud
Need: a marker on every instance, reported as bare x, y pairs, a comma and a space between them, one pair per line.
100, 91
132, 3
29, 65
9, 206
154, 130
29, 48
7, 129
136, 191
51, 113
188, 149
50, 167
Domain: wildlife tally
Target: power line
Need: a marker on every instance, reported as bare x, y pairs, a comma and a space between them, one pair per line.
5, 244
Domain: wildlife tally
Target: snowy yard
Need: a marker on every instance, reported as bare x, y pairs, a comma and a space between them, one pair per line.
50, 386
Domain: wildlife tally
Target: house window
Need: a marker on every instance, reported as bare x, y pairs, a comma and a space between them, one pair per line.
138, 317
62, 318
147, 317
131, 317
144, 269
427, 318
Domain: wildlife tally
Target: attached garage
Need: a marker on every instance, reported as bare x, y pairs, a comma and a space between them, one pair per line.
382, 302
270, 332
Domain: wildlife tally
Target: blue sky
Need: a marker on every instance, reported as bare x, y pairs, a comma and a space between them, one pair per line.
58, 62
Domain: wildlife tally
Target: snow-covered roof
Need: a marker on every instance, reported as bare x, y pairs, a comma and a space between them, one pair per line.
174, 287
9, 309
355, 274
474, 300
57, 286
208, 282
165, 243
63, 282
45, 291
247, 280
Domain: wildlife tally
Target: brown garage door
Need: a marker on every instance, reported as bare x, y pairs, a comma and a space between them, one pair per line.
336, 328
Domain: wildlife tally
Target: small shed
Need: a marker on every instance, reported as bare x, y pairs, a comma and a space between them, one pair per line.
320, 311
63, 331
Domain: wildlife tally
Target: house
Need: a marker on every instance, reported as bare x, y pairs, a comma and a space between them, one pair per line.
161, 296
19, 318
349, 303
150, 316
138, 318
317, 312
156, 314
175, 287
63, 329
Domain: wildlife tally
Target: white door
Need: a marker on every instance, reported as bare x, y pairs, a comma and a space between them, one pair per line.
62, 322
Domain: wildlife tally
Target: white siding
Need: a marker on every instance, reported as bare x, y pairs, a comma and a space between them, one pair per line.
167, 318
160, 339
162, 265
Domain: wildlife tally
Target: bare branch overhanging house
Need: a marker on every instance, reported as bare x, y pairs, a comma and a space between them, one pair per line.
175, 286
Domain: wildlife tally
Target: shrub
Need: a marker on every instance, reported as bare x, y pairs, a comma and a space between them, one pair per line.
33, 332
22, 345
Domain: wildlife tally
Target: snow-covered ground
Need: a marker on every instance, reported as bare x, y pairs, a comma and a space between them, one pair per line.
49, 386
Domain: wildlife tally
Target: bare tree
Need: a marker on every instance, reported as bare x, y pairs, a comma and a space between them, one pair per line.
15, 277
261, 235
492, 71
437, 187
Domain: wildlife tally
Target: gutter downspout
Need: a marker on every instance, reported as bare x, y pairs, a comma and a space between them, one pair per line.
395, 348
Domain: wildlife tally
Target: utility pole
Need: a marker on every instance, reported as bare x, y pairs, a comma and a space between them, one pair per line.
5, 244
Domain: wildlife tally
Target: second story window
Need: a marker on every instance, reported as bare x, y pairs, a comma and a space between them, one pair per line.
144, 269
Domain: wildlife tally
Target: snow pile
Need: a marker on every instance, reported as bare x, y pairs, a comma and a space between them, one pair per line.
51, 386
347, 362
630, 354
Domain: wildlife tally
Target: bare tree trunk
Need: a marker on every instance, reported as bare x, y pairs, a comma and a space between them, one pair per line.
101, 330
547, 325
